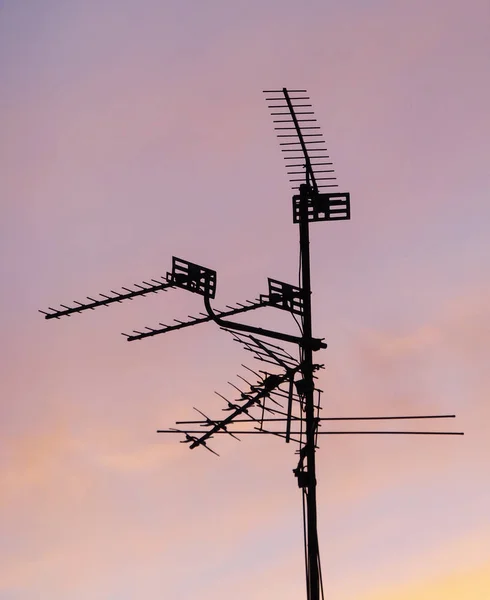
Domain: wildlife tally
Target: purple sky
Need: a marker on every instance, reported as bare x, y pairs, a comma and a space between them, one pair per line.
134, 130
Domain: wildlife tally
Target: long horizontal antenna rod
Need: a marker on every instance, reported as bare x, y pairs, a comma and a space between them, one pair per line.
147, 288
294, 418
241, 308
259, 432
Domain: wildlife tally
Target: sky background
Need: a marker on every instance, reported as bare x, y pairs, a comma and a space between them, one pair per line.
134, 130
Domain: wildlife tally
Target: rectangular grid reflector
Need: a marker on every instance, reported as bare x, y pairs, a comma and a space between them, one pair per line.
324, 207
285, 296
192, 277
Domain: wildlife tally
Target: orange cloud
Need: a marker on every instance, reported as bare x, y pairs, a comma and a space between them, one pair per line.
467, 584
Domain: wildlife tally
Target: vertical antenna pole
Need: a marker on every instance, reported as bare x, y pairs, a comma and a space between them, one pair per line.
311, 424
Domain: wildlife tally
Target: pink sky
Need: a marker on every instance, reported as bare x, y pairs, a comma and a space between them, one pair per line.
134, 130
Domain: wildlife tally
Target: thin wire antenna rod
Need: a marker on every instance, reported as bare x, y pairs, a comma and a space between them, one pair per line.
284, 433
335, 419
383, 432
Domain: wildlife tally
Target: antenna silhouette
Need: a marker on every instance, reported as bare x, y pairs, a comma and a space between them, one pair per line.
282, 399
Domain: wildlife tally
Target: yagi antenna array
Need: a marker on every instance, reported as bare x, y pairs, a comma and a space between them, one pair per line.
279, 396
301, 140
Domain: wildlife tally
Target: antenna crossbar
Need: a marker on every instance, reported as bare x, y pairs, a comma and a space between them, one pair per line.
294, 418
284, 433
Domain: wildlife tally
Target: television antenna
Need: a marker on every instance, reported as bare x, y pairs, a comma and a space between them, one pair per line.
282, 399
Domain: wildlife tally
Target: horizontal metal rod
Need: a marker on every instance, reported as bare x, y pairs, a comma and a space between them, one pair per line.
303, 173
281, 91
258, 432
295, 135
317, 178
294, 106
333, 185
299, 143
312, 164
298, 113
316, 157
282, 99
390, 432
302, 127
299, 121
384, 418
309, 149
294, 418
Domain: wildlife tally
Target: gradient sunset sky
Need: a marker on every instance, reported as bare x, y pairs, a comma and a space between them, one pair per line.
134, 130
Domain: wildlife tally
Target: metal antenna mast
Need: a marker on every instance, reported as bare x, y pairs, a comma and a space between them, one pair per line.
283, 400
